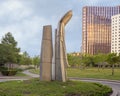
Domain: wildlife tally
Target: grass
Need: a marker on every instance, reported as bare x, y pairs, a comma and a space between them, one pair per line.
35, 87
20, 74
90, 73
94, 73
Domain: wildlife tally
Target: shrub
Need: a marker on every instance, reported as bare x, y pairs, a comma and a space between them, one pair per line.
3, 68
8, 72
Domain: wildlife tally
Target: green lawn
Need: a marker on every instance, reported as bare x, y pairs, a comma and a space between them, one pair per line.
35, 87
90, 73
20, 74
94, 73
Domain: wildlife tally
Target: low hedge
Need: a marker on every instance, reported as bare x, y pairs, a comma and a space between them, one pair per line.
3, 68
9, 72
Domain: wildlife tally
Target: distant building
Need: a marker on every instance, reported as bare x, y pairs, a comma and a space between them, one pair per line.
75, 54
115, 36
96, 29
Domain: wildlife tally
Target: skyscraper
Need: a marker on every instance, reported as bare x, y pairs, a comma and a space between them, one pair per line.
115, 34
96, 28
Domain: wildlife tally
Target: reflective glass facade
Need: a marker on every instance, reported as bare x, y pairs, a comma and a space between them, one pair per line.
96, 29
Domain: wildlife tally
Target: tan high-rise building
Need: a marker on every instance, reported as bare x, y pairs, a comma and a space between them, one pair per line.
115, 34
96, 29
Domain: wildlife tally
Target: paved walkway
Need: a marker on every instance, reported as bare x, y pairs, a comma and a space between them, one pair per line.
114, 84
30, 74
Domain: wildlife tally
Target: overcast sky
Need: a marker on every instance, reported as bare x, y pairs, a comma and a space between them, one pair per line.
26, 18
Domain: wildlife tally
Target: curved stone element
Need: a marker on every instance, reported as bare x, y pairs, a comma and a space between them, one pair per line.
61, 61
65, 19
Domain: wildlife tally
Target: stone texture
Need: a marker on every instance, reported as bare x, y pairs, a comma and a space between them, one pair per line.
61, 61
53, 61
54, 69
46, 54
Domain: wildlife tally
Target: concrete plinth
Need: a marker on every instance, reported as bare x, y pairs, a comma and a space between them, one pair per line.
46, 54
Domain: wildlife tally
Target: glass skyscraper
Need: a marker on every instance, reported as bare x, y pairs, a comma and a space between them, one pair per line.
96, 28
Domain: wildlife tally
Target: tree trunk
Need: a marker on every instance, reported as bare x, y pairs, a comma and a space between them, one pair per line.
98, 67
113, 69
103, 65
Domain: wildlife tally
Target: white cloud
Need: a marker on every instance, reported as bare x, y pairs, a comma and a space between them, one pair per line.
25, 19
14, 10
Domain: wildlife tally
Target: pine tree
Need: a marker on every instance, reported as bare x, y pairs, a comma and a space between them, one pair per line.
9, 49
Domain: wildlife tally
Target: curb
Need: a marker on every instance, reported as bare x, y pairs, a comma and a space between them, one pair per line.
2, 77
77, 78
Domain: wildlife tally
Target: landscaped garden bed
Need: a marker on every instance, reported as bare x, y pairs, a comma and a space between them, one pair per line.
35, 87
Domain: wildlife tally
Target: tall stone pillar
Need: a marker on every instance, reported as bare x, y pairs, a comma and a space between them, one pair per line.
54, 59
46, 54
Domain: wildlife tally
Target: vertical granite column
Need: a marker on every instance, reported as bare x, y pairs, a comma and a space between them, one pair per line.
46, 54
60, 73
54, 59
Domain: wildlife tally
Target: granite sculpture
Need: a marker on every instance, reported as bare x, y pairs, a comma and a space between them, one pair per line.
61, 61
54, 69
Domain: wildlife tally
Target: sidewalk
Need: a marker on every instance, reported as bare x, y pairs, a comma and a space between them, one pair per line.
30, 74
15, 77
77, 78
